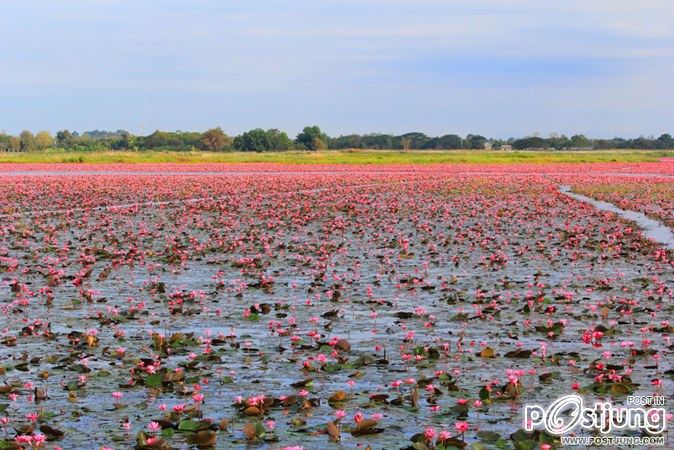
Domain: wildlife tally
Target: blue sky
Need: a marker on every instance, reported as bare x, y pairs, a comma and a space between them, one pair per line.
497, 67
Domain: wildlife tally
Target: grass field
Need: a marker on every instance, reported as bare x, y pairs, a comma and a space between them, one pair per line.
336, 157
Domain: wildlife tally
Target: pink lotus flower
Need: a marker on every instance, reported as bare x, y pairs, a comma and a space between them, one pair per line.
461, 427
180, 408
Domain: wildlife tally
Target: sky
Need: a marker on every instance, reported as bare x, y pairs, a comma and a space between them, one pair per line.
500, 68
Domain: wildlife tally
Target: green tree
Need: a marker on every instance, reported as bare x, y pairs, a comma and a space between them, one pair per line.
65, 139
27, 140
448, 141
162, 139
414, 140
559, 142
377, 141
319, 144
125, 141
643, 143
312, 138
259, 140
531, 143
215, 140
43, 140
350, 141
14, 144
9, 143
475, 141
665, 141
579, 140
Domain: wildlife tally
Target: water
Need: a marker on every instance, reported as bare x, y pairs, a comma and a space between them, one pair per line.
463, 220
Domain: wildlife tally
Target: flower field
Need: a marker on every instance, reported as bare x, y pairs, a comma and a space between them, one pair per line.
319, 306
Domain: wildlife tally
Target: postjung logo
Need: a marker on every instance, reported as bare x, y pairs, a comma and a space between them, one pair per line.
569, 413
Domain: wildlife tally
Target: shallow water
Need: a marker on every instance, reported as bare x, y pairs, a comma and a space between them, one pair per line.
309, 239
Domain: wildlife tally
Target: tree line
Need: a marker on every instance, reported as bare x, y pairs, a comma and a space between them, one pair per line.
311, 138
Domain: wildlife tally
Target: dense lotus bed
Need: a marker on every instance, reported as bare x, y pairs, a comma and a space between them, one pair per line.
270, 306
651, 196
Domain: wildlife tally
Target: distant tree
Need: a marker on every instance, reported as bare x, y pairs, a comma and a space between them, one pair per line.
531, 143
251, 141
9, 143
475, 141
278, 140
125, 141
449, 141
319, 144
377, 141
14, 144
178, 140
259, 140
162, 139
102, 134
215, 140
643, 143
189, 139
65, 139
665, 141
27, 140
43, 140
414, 140
312, 138
619, 143
580, 140
497, 144
559, 142
350, 141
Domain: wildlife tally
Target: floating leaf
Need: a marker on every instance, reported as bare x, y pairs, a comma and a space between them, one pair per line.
488, 352
333, 431
203, 439
154, 381
193, 425
338, 396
